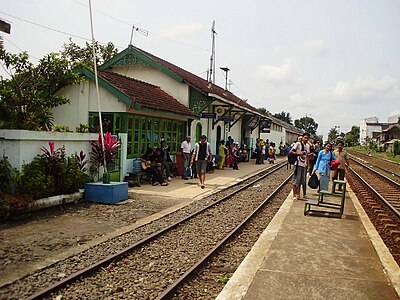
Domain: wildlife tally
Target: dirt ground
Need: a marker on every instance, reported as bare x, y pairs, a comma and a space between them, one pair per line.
44, 234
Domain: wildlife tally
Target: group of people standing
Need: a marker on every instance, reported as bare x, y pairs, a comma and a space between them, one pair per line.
201, 156
229, 154
264, 150
312, 158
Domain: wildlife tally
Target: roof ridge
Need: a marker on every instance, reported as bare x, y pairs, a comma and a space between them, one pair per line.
216, 87
129, 78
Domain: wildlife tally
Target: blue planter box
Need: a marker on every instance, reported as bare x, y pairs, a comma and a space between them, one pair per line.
110, 193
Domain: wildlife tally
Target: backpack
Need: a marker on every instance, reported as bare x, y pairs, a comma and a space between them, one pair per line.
292, 158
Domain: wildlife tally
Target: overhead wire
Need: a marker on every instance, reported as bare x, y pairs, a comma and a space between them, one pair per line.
46, 27
9, 41
151, 32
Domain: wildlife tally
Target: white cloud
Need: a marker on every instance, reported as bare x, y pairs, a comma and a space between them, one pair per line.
278, 73
368, 90
394, 113
299, 99
278, 51
315, 47
182, 31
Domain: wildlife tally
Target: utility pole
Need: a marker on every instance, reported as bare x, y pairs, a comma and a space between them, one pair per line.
226, 70
211, 74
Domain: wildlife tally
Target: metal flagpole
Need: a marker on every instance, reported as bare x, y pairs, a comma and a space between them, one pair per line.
97, 88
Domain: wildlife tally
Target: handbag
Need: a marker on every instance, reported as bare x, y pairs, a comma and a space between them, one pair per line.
313, 181
334, 164
188, 172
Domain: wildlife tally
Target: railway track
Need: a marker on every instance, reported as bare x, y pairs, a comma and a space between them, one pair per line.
209, 282
386, 167
147, 269
380, 198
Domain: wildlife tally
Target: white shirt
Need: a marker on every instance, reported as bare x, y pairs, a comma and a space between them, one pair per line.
186, 147
301, 159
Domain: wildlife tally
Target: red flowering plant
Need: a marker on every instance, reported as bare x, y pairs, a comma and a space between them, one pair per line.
53, 156
105, 158
81, 161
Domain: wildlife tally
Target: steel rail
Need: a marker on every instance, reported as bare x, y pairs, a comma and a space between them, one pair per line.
169, 292
352, 157
124, 252
377, 173
376, 193
376, 157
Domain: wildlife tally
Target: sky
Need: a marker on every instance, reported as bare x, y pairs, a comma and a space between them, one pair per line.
335, 61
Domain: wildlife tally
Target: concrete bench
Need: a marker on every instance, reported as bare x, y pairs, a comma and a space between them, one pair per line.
328, 207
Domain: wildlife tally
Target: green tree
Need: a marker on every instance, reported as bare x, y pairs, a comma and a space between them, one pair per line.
396, 147
84, 55
27, 97
332, 134
284, 116
307, 124
352, 137
263, 110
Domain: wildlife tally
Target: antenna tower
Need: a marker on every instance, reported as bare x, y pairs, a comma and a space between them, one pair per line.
226, 70
211, 74
141, 31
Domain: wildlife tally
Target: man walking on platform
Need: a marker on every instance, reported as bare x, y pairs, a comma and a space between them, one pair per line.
202, 155
186, 149
343, 157
300, 149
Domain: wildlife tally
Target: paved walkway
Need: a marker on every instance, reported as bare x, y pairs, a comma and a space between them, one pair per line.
188, 189
301, 257
308, 257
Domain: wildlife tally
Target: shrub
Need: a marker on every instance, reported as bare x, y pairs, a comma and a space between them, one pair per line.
10, 204
8, 176
35, 180
82, 128
52, 174
396, 147
61, 128
373, 145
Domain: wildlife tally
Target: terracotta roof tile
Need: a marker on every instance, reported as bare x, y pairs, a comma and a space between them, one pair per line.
145, 94
200, 83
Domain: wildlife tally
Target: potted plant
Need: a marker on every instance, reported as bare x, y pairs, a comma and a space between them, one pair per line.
106, 157
106, 191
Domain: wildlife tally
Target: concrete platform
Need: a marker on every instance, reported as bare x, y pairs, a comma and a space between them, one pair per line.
309, 257
188, 189
297, 256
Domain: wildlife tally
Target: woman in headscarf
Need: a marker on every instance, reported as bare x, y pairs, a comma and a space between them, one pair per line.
325, 156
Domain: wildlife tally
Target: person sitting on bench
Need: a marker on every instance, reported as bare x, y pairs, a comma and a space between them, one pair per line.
166, 162
151, 165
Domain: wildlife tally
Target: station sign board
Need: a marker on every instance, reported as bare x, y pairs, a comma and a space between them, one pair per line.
208, 115
226, 119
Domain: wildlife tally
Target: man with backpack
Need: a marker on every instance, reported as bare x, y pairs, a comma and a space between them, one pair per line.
300, 149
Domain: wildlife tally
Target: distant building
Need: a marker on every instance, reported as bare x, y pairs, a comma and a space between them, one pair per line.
372, 130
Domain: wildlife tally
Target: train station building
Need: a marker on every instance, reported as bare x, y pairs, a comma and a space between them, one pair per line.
145, 99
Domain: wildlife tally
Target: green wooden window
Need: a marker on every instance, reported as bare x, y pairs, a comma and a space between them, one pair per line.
144, 132
112, 122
